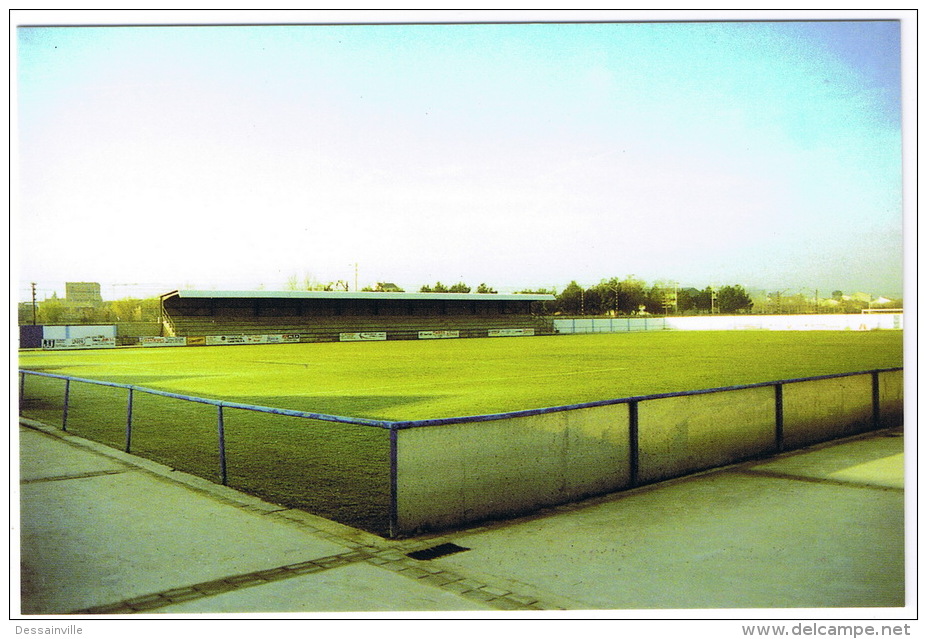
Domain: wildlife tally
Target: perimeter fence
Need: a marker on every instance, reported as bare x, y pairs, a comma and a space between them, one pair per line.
402, 478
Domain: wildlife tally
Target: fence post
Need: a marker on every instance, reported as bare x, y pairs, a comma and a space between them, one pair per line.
393, 482
876, 416
780, 421
129, 423
22, 391
223, 472
67, 396
633, 445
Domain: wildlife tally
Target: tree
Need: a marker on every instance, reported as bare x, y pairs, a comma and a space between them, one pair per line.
685, 299
593, 301
438, 288
127, 310
459, 287
734, 299
701, 300
570, 301
483, 288
383, 287
151, 309
292, 283
655, 300
51, 311
631, 296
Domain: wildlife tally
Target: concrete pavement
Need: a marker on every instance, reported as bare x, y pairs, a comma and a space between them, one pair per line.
103, 532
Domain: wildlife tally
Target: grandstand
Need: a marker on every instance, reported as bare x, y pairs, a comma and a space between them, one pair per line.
325, 316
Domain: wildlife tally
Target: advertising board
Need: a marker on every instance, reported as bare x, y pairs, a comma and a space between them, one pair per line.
368, 336
162, 341
222, 340
438, 334
510, 332
97, 341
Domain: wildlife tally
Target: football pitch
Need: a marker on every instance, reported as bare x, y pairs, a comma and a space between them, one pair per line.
404, 380
342, 471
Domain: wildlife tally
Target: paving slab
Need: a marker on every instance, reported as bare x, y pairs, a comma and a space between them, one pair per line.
103, 532
354, 588
43, 457
725, 540
89, 541
873, 461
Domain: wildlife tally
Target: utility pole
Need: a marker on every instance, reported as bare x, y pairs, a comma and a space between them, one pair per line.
356, 265
33, 305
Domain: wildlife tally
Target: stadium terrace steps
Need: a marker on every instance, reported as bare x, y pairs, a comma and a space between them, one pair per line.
319, 329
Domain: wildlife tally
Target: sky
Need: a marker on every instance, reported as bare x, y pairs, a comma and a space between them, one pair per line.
765, 154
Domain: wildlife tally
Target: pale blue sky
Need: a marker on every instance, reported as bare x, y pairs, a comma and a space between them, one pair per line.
522, 155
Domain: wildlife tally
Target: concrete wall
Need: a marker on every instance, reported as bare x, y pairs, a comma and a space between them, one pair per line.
891, 398
457, 473
824, 322
819, 410
685, 434
462, 472
138, 329
78, 330
855, 322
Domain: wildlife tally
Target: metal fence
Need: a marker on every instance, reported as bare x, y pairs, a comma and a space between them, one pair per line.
573, 325
338, 467
400, 478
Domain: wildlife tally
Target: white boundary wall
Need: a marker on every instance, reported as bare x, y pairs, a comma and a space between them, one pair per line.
829, 322
72, 332
78, 337
855, 322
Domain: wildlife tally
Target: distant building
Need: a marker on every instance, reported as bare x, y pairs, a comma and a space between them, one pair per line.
83, 293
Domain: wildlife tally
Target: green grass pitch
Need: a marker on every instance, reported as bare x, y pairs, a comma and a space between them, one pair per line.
341, 471
400, 380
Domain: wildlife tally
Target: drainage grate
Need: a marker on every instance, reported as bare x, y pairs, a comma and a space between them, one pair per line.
441, 550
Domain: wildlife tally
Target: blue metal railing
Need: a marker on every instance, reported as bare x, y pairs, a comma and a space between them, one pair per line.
623, 400
219, 404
